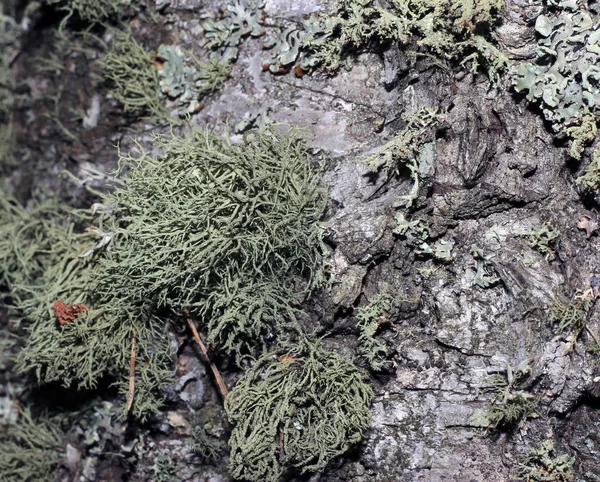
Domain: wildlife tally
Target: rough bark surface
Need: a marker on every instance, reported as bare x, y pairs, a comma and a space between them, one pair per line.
498, 172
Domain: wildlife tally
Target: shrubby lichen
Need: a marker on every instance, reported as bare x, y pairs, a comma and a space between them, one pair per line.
297, 407
447, 28
29, 449
368, 320
226, 231
564, 78
133, 76
92, 10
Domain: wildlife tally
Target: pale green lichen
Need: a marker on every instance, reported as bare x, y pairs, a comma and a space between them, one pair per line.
591, 176
91, 10
299, 407
243, 18
369, 319
226, 231
405, 150
187, 81
29, 449
446, 28
133, 76
565, 75
510, 406
544, 464
542, 238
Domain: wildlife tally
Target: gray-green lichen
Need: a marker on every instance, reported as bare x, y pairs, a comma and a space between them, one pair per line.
226, 231
564, 78
132, 73
369, 319
242, 18
542, 238
445, 28
187, 81
544, 464
29, 449
299, 407
92, 10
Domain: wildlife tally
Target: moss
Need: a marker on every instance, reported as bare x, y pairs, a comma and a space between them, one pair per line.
299, 407
133, 76
29, 449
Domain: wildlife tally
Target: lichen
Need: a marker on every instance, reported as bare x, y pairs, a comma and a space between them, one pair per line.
187, 81
243, 18
542, 238
445, 28
91, 10
298, 406
403, 151
591, 176
543, 464
133, 76
225, 231
369, 319
29, 449
564, 77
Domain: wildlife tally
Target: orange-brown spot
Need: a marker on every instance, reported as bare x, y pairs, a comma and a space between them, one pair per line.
68, 313
299, 71
286, 358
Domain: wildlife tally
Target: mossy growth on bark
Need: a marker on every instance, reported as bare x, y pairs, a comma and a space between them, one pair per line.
229, 232
29, 449
297, 407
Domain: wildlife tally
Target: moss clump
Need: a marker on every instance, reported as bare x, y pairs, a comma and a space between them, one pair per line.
29, 449
543, 464
297, 407
134, 77
226, 231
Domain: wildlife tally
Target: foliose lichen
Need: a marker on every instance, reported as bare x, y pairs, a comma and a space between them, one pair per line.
369, 319
564, 78
544, 464
187, 81
299, 407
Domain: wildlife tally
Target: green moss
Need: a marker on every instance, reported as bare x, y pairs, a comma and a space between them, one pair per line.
29, 449
133, 76
299, 407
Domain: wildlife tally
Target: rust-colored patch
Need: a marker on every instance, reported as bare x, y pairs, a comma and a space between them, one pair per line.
68, 313
286, 358
299, 71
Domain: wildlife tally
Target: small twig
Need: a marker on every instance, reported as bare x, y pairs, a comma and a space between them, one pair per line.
218, 377
131, 391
